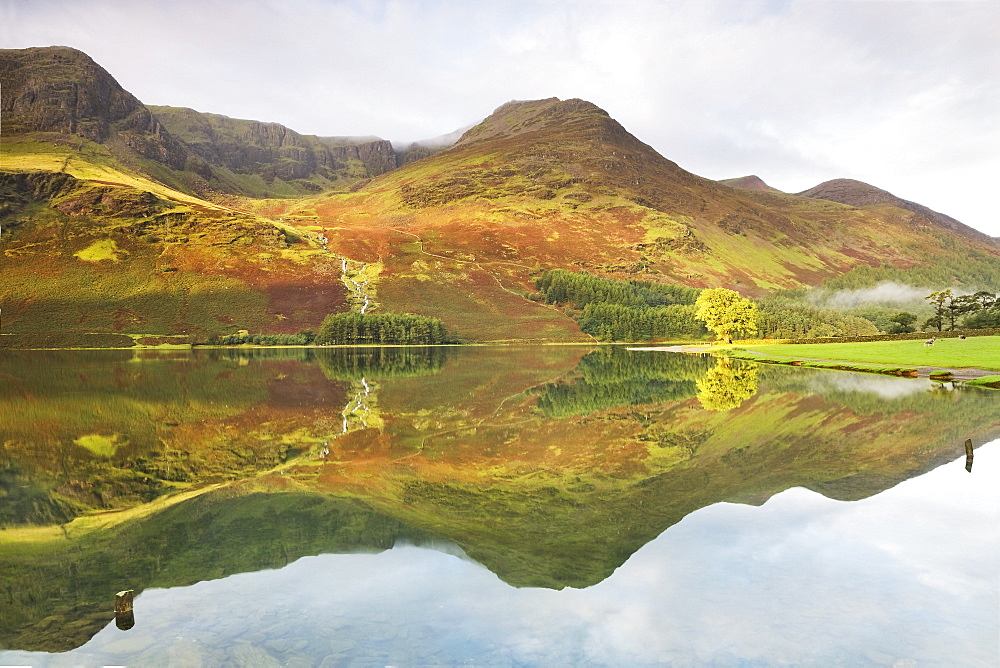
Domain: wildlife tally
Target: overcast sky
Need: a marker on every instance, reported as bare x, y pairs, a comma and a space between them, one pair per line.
901, 94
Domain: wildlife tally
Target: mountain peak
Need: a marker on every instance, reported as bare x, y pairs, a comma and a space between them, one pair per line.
61, 89
523, 116
850, 192
860, 194
752, 182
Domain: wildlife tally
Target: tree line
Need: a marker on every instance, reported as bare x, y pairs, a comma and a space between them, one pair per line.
782, 317
974, 269
352, 329
380, 363
978, 310
558, 286
380, 328
303, 338
614, 310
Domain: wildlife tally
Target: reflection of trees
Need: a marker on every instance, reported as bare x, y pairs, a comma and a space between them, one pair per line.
361, 366
727, 385
613, 377
377, 362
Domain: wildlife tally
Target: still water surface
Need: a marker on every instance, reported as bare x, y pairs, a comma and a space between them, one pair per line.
493, 507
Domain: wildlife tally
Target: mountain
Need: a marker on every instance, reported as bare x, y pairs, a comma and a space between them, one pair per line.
559, 183
102, 207
61, 90
752, 182
140, 222
268, 159
860, 194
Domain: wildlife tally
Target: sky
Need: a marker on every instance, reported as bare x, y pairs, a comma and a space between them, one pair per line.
901, 94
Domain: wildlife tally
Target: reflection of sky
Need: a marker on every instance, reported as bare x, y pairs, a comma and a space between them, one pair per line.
907, 576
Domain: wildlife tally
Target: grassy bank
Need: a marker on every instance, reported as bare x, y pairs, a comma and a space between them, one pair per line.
892, 370
892, 357
986, 381
981, 352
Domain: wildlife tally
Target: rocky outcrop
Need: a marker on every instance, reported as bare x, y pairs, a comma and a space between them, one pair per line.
35, 186
111, 201
275, 151
73, 197
59, 89
62, 90
377, 155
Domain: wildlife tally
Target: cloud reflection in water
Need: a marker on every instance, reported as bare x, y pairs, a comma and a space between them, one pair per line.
907, 575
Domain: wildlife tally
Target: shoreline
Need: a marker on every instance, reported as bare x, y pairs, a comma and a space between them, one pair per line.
921, 371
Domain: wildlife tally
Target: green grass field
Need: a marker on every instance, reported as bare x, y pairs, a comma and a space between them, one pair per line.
981, 352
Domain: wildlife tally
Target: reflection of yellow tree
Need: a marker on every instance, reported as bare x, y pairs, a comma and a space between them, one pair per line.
727, 385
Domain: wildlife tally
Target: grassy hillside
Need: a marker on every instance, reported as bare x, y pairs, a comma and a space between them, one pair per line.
560, 184
178, 222
110, 251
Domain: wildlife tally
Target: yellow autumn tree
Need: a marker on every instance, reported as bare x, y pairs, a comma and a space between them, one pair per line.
726, 313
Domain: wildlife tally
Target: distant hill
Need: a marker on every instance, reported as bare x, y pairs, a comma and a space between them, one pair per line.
426, 147
752, 182
163, 220
860, 194
62, 90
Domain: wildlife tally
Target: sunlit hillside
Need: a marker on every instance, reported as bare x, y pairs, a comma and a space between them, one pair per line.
197, 225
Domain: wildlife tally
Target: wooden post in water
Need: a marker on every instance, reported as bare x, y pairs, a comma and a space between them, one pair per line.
124, 616
968, 455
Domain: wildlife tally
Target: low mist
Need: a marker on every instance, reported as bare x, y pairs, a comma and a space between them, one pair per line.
443, 141
887, 293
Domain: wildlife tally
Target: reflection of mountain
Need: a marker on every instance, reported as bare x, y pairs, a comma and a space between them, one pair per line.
545, 486
99, 430
211, 536
113, 429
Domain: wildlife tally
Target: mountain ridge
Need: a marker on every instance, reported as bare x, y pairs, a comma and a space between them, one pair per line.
62, 90
275, 151
458, 234
859, 193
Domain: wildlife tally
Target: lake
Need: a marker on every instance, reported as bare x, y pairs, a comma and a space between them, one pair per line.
559, 505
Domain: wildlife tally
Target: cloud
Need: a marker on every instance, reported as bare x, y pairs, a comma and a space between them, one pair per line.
902, 95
